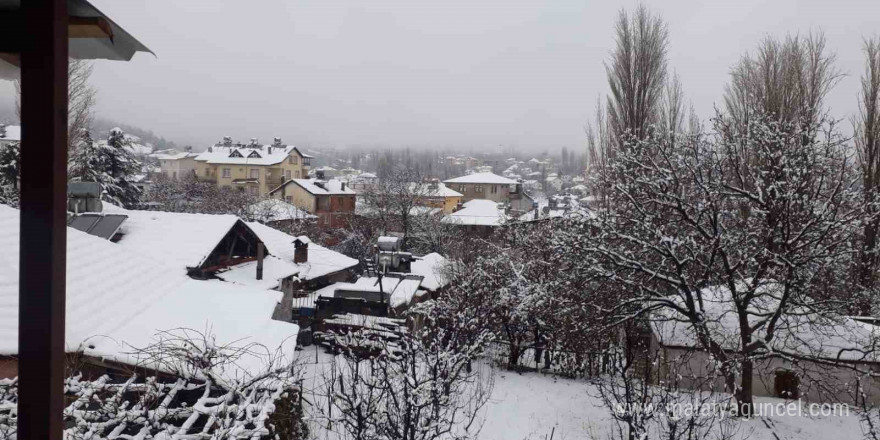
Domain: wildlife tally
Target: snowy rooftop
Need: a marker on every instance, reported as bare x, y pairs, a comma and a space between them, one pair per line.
488, 178
441, 190
432, 267
182, 239
478, 212
810, 335
323, 187
247, 155
118, 299
173, 155
321, 261
269, 210
274, 270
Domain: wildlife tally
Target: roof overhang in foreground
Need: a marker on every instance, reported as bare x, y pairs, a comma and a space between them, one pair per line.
92, 36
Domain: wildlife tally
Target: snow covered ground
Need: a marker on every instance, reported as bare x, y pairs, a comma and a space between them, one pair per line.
531, 406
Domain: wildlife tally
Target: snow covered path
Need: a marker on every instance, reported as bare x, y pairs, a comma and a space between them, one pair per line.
531, 406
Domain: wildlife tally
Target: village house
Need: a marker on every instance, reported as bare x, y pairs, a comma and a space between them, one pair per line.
491, 186
810, 358
176, 164
478, 216
250, 167
332, 201
435, 194
253, 167
118, 298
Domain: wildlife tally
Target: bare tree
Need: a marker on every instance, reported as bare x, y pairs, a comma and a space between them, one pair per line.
394, 198
867, 141
80, 101
689, 218
637, 73
419, 385
784, 79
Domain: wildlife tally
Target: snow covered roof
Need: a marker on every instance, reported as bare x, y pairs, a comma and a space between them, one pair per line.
268, 210
487, 178
118, 299
185, 240
13, 133
808, 335
321, 261
478, 212
322, 187
274, 270
432, 267
173, 155
247, 155
106, 284
441, 190
230, 312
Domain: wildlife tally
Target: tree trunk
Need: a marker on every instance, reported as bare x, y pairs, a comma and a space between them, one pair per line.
744, 398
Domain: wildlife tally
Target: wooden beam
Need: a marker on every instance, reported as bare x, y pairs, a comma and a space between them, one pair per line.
89, 27
43, 223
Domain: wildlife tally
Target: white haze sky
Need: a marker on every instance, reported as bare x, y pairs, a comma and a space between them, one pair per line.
463, 73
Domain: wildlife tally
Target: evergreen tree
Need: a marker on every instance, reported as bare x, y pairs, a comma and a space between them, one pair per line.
10, 169
111, 164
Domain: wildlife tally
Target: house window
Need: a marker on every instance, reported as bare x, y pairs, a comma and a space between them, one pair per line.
297, 174
307, 161
478, 188
293, 160
494, 189
174, 174
227, 172
787, 384
287, 174
289, 199
255, 174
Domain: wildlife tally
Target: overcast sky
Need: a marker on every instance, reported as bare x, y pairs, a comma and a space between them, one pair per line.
412, 72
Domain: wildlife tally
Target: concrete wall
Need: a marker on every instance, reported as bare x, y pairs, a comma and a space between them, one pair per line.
818, 382
177, 169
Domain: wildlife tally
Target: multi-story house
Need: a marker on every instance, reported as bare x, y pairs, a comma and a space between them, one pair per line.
252, 167
332, 201
255, 168
176, 165
491, 186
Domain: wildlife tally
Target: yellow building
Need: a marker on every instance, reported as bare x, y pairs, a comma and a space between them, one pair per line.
437, 195
251, 167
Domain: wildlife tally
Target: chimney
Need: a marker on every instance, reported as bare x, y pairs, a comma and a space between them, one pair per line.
300, 251
270, 150
343, 186
261, 249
